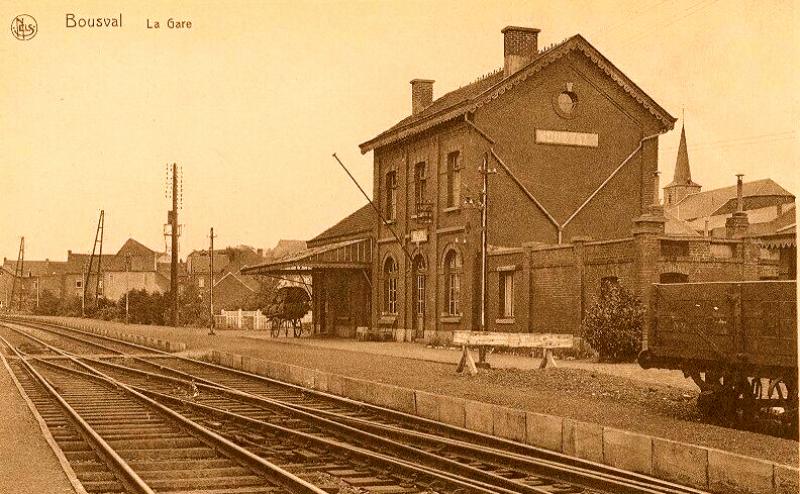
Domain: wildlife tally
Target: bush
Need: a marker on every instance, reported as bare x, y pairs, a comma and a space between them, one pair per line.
613, 325
48, 304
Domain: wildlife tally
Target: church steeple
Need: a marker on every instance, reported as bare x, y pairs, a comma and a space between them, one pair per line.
682, 184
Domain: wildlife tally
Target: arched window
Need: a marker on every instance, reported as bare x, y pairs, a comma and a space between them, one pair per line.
452, 282
390, 285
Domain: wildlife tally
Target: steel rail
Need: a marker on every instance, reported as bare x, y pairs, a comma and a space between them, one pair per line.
499, 445
356, 426
129, 478
367, 454
264, 467
259, 465
394, 447
467, 436
460, 480
38, 325
459, 483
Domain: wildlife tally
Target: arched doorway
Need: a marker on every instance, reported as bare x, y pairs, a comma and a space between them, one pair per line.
419, 281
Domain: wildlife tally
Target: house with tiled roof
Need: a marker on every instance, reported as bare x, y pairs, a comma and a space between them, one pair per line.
709, 211
6, 287
133, 267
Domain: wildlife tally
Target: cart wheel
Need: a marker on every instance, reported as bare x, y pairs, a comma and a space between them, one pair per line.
298, 328
275, 328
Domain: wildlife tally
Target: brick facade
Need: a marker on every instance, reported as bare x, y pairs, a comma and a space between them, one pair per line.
542, 192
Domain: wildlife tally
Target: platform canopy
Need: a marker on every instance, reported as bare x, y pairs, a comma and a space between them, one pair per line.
347, 254
784, 239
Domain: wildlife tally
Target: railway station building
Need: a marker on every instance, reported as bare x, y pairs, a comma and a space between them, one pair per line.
566, 145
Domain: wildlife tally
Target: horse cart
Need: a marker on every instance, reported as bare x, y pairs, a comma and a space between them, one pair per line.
287, 309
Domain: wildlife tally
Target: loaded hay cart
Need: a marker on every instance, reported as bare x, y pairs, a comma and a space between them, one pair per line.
736, 340
287, 309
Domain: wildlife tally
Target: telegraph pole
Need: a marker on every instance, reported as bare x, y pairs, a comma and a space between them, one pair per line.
211, 288
127, 285
484, 206
19, 270
174, 232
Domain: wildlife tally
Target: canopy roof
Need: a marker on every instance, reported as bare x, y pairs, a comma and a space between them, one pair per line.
348, 254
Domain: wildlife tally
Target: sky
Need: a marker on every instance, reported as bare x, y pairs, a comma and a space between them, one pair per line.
254, 98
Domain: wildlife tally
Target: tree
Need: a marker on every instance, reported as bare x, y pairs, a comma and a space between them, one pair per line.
613, 325
48, 304
193, 310
263, 297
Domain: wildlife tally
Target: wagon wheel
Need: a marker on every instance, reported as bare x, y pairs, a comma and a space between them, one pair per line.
718, 399
275, 327
298, 328
782, 392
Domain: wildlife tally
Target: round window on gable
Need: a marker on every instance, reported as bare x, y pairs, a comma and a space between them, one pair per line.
566, 102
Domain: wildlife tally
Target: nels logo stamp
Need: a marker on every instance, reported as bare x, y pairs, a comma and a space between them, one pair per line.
24, 27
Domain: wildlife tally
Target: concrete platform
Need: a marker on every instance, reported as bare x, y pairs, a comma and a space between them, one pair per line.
28, 465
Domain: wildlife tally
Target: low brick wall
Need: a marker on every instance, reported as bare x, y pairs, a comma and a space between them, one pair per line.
696, 466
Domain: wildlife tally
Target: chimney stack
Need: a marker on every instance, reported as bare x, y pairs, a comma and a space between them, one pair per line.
736, 226
421, 94
739, 198
520, 46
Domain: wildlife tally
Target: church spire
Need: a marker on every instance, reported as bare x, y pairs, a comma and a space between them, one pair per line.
682, 184
683, 174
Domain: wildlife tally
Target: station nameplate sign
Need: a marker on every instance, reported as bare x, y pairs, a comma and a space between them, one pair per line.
419, 236
566, 138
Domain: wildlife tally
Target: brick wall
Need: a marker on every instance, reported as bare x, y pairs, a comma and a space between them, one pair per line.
554, 285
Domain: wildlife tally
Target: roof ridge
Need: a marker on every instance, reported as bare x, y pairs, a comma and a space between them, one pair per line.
463, 101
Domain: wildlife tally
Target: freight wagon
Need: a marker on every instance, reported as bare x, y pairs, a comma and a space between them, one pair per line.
736, 340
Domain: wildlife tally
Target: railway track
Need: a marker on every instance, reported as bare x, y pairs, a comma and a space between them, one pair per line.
354, 444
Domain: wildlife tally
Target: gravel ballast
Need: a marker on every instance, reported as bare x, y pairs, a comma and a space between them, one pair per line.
660, 410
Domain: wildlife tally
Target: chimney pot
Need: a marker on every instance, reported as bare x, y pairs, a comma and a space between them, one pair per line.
739, 198
520, 46
421, 94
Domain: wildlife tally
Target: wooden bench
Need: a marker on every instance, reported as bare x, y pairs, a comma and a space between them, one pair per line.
484, 340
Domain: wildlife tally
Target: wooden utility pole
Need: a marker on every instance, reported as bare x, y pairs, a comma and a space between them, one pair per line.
485, 171
98, 242
211, 288
19, 270
173, 221
127, 285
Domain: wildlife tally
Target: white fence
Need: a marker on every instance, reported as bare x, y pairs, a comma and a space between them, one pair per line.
246, 319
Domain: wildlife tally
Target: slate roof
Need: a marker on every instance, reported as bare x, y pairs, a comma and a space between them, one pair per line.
248, 282
466, 99
677, 226
705, 203
135, 248
200, 261
683, 174
361, 221
77, 263
764, 215
37, 268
